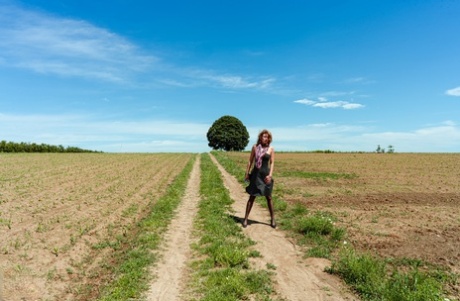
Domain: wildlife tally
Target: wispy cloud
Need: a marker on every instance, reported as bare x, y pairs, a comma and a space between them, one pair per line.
453, 92
358, 80
49, 44
67, 47
239, 82
191, 78
323, 103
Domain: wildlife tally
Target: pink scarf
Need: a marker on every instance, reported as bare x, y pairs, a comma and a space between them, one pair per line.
260, 152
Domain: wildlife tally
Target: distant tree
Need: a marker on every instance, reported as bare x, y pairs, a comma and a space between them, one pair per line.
379, 149
390, 149
228, 133
23, 147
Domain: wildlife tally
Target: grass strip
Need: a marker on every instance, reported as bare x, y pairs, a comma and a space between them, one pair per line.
373, 278
222, 273
132, 270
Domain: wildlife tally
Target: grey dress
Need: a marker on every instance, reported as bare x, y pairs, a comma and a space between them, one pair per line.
257, 186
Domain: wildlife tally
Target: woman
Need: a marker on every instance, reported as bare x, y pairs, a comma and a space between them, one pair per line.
260, 178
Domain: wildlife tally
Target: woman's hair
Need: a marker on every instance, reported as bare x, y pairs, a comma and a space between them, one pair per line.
259, 140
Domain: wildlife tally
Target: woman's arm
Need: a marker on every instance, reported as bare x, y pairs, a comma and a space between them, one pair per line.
251, 160
268, 178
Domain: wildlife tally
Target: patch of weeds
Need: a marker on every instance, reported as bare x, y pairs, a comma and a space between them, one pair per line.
271, 266
115, 244
315, 229
7, 222
51, 274
41, 227
130, 211
55, 251
73, 240
373, 279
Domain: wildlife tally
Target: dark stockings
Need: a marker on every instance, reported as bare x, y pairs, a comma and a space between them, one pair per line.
270, 209
249, 207
248, 210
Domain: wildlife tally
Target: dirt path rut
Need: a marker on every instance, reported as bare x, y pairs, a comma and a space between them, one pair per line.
297, 279
171, 269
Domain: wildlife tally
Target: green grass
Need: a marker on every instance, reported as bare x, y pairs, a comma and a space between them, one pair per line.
315, 230
135, 252
374, 279
222, 273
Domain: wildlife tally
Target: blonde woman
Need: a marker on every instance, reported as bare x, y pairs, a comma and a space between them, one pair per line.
260, 178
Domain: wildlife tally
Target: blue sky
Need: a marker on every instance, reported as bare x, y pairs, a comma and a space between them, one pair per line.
152, 76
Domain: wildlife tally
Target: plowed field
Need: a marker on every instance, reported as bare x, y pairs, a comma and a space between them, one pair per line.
58, 209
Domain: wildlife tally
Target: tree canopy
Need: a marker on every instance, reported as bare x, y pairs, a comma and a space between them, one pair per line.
228, 133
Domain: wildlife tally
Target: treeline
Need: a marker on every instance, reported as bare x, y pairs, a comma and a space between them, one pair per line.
23, 147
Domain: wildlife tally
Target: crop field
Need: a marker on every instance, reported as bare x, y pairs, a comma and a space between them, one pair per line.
403, 206
58, 211
63, 217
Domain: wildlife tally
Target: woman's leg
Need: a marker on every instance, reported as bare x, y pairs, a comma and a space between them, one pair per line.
270, 209
248, 210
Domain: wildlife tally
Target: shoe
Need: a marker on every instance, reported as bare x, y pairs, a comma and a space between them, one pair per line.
245, 224
273, 225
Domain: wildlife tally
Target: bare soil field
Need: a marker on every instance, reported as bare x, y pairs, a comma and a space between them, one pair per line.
395, 205
56, 209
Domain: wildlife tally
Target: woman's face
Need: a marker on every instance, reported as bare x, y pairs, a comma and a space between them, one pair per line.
265, 138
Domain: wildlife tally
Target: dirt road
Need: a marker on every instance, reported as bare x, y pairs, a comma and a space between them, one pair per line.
296, 279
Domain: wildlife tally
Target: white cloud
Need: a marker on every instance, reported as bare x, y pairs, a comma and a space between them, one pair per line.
305, 101
358, 80
67, 47
230, 81
352, 106
453, 92
323, 103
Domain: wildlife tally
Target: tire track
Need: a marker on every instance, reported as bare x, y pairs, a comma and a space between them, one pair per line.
171, 270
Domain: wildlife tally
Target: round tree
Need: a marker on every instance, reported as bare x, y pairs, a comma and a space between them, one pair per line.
228, 133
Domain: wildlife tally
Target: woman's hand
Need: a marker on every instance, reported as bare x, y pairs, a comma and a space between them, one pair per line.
268, 179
